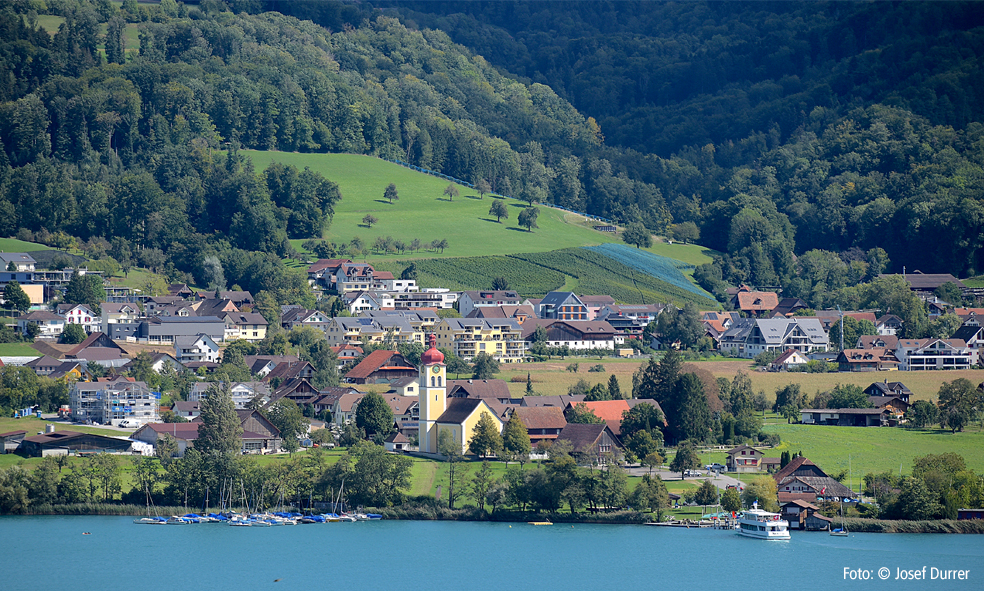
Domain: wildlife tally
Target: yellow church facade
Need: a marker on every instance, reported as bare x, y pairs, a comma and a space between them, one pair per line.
458, 416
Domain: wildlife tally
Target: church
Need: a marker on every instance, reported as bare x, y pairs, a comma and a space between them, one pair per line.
459, 416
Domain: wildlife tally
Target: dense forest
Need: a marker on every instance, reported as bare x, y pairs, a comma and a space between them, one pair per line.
813, 145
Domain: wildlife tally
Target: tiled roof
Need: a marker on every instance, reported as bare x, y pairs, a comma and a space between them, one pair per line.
374, 361
479, 388
757, 301
459, 409
542, 417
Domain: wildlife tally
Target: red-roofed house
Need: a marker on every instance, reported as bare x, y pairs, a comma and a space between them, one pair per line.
381, 367
543, 423
757, 303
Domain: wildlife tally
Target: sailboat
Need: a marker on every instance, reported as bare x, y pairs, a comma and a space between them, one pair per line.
842, 530
150, 519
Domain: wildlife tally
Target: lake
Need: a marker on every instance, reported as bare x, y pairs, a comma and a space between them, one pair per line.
53, 553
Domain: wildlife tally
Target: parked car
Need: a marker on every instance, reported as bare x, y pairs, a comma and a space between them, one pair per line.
692, 473
716, 467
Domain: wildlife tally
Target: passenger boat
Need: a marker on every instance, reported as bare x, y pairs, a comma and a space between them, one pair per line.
756, 523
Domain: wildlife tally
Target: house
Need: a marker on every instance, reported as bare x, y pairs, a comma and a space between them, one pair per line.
973, 335
756, 303
214, 307
791, 358
888, 324
397, 442
926, 283
287, 370
518, 313
163, 331
248, 326
72, 371
244, 394
744, 459
867, 360
186, 409
562, 305
893, 404
788, 306
470, 300
845, 417
878, 341
887, 388
154, 304
629, 318
353, 277
381, 367
749, 337
299, 390
592, 444
346, 353
259, 436
496, 391
404, 387
561, 401
803, 477
98, 347
61, 443
198, 348
239, 299
297, 317
576, 335
111, 401
357, 302
161, 361
595, 303
43, 365
543, 423
23, 262
438, 298
343, 411
804, 516
385, 281
262, 365
180, 290
50, 325
770, 464
80, 314
322, 273
925, 354
467, 337
372, 329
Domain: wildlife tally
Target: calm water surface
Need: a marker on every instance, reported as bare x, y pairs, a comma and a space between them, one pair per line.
52, 553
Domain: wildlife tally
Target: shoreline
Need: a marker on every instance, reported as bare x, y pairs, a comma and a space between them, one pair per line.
431, 513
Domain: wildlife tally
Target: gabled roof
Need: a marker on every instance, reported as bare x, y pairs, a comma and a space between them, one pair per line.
459, 409
377, 360
967, 332
608, 410
583, 437
541, 417
794, 465
873, 341
323, 264
257, 362
886, 388
737, 450
40, 316
496, 389
561, 401
43, 361
557, 298
757, 301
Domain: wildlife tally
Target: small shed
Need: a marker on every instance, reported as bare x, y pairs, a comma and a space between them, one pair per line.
397, 442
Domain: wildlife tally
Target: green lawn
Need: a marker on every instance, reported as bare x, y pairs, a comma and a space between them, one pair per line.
689, 253
15, 245
50, 22
18, 350
424, 213
976, 282
875, 449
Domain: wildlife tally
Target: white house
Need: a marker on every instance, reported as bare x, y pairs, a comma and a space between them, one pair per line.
80, 314
749, 336
922, 354
117, 313
50, 325
191, 349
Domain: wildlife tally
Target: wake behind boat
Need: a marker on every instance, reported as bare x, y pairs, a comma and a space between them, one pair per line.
756, 523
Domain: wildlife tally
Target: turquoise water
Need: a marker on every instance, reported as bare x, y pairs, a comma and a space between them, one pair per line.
52, 553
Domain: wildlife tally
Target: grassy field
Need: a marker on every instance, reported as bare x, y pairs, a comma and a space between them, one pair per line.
15, 245
689, 253
976, 282
423, 212
865, 450
17, 350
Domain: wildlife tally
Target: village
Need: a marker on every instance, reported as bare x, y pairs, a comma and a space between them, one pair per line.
389, 343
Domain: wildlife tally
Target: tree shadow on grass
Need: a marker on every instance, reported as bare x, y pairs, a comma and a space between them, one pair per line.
519, 205
523, 230
386, 201
475, 197
489, 220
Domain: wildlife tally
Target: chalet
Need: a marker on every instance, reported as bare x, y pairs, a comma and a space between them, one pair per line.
543, 423
297, 317
803, 477
346, 353
887, 388
592, 444
262, 365
43, 365
845, 417
894, 405
744, 459
867, 360
186, 409
299, 390
60, 443
288, 370
381, 367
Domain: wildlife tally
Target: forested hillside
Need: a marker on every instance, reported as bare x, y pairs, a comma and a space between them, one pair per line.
814, 144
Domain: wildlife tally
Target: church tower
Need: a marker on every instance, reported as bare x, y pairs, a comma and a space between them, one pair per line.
433, 399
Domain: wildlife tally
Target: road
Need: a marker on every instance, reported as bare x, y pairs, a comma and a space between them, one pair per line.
721, 481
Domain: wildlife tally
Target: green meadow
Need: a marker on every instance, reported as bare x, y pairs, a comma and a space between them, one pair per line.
423, 212
15, 245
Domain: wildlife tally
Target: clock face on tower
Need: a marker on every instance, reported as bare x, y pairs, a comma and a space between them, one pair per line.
436, 369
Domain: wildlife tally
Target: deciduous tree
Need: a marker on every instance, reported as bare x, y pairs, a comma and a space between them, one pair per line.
391, 193
486, 439
374, 415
